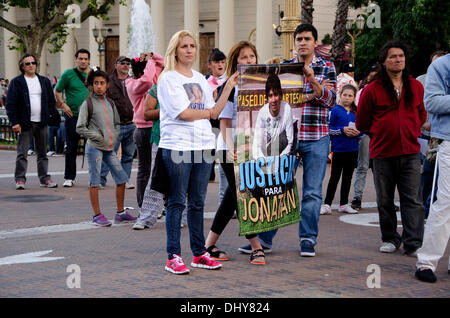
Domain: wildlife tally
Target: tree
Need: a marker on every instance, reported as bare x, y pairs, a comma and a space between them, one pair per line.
339, 32
423, 25
48, 22
307, 11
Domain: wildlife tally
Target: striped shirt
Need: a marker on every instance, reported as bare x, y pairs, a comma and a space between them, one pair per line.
315, 113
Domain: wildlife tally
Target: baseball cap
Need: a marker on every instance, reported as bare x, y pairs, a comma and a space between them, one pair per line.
348, 67
122, 58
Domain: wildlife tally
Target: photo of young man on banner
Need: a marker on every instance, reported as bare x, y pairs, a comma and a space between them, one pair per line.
268, 117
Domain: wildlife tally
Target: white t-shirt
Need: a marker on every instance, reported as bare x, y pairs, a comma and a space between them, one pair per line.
176, 93
268, 128
230, 112
35, 91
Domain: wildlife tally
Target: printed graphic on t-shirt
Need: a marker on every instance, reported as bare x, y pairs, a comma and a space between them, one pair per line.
195, 95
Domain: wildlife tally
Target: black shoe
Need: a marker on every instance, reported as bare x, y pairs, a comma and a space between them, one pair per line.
426, 275
356, 204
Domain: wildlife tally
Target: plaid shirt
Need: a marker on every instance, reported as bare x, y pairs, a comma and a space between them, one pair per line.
315, 113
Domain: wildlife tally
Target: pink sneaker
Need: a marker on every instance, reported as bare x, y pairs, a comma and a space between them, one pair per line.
176, 266
205, 261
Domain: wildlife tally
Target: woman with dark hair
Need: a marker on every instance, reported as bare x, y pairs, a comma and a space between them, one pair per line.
241, 53
146, 70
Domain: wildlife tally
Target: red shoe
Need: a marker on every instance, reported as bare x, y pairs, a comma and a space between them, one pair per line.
176, 266
205, 261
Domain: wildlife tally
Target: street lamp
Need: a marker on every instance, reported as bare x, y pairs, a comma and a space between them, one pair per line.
100, 37
349, 26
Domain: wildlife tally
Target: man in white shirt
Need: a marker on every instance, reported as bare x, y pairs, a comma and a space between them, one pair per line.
30, 103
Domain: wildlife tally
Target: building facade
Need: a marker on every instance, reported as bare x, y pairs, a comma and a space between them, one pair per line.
216, 23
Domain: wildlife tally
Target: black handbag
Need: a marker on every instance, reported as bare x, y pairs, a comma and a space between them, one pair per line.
160, 177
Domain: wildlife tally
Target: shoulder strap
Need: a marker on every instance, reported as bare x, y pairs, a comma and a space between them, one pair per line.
90, 107
80, 76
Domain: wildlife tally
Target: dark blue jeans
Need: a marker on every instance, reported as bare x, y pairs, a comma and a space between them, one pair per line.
189, 173
314, 156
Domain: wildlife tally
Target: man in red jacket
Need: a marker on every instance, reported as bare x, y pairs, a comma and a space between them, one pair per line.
391, 112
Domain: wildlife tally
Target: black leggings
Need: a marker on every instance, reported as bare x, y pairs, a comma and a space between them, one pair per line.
229, 201
341, 163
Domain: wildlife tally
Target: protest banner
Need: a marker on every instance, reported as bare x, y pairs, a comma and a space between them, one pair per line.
268, 118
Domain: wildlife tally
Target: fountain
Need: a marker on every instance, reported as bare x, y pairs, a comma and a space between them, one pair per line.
141, 29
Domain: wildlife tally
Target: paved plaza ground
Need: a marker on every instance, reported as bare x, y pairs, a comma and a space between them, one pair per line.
45, 237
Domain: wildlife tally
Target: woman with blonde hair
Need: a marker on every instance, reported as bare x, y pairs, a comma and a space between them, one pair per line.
241, 53
186, 144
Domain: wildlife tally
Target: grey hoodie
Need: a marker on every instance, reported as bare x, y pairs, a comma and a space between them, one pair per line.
104, 126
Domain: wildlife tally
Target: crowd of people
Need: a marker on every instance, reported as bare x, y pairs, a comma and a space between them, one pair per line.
165, 111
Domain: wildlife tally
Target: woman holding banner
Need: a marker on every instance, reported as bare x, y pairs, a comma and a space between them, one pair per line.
241, 53
186, 143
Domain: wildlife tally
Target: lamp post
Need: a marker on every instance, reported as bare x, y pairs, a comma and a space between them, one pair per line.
349, 26
100, 37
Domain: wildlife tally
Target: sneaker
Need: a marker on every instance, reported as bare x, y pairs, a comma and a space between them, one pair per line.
51, 153
140, 226
49, 184
101, 186
129, 185
100, 220
347, 209
205, 261
307, 249
326, 209
247, 249
161, 214
20, 185
124, 217
30, 152
68, 183
356, 204
176, 266
411, 253
426, 275
388, 247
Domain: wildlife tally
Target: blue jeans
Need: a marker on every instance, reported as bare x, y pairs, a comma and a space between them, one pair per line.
59, 133
188, 179
363, 167
314, 156
95, 158
128, 148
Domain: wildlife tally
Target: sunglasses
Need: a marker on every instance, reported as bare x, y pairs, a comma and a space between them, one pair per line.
29, 63
125, 63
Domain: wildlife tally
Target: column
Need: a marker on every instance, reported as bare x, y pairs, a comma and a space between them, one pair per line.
191, 20
158, 9
288, 25
68, 55
264, 29
93, 45
226, 25
124, 22
43, 70
12, 57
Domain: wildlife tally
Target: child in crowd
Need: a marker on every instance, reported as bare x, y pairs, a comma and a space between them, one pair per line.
99, 122
344, 148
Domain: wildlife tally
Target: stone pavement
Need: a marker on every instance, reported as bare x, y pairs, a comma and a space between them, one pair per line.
120, 262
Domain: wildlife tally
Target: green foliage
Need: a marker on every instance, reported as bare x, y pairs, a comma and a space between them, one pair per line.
327, 39
423, 25
58, 39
